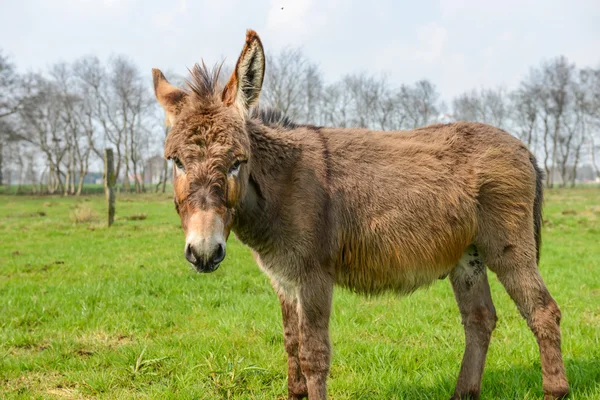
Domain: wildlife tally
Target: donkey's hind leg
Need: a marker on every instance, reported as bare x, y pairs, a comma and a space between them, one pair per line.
472, 292
509, 219
517, 271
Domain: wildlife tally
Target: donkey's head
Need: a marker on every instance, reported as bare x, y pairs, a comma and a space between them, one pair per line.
210, 149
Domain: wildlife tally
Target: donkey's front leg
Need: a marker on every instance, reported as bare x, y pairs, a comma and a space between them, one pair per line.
291, 337
314, 308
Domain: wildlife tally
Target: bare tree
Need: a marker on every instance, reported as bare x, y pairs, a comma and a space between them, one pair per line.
77, 115
9, 84
8, 146
42, 125
95, 81
11, 98
420, 103
122, 105
292, 85
489, 106
74, 111
558, 75
589, 80
335, 106
525, 114
366, 93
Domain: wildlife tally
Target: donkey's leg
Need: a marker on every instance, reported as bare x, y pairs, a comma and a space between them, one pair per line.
314, 308
527, 289
472, 292
291, 337
509, 218
515, 264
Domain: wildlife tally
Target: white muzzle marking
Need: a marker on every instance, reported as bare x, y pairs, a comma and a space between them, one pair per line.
205, 233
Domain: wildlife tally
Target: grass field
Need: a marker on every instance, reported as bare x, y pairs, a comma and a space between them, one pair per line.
88, 189
91, 312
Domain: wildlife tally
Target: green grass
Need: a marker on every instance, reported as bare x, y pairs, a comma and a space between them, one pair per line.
87, 189
91, 312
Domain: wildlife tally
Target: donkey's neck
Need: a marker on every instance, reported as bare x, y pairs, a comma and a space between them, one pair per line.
274, 155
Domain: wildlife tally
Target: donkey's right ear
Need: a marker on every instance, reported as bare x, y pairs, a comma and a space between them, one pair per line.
170, 97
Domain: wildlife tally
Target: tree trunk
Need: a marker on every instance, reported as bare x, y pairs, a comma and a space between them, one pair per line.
136, 179
73, 175
50, 178
68, 174
593, 154
20, 163
142, 184
126, 183
80, 182
109, 183
165, 164
555, 145
547, 168
34, 188
163, 177
577, 157
42, 177
1, 163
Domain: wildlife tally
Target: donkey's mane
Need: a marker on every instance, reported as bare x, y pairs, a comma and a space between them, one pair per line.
204, 82
273, 118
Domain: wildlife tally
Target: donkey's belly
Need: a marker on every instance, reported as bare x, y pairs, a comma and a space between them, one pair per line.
372, 268
372, 280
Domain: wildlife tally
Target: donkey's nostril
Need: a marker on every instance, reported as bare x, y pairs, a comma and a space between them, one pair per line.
219, 254
189, 254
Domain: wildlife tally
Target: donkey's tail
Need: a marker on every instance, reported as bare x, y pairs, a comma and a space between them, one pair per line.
537, 205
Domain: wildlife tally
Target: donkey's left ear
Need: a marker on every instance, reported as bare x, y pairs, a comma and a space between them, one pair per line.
244, 86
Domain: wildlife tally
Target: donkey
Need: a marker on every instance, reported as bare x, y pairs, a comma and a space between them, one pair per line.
371, 211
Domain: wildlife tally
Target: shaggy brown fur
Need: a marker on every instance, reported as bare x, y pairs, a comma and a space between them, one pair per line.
372, 211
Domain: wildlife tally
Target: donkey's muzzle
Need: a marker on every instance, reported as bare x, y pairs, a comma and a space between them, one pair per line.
203, 263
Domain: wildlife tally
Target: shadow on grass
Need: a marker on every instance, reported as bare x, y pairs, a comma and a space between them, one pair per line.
507, 383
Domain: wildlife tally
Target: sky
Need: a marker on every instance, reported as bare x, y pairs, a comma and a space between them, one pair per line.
457, 44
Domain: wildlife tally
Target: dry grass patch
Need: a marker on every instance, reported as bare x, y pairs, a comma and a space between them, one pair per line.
101, 340
84, 214
65, 393
136, 217
51, 382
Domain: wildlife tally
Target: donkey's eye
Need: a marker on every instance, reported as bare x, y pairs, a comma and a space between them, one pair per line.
178, 164
235, 168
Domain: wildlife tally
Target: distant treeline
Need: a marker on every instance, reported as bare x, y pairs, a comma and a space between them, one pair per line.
55, 124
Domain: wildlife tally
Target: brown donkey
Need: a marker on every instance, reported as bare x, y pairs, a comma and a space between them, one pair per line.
372, 211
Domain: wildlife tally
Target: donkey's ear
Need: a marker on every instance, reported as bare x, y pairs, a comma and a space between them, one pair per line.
245, 83
170, 97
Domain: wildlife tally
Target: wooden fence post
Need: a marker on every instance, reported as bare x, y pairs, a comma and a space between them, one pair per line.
109, 183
